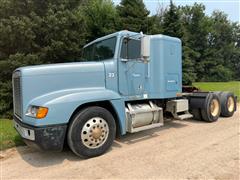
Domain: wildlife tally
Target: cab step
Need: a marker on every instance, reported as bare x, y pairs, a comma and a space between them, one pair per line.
179, 109
184, 116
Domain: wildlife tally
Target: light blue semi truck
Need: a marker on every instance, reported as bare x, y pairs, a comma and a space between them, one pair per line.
127, 82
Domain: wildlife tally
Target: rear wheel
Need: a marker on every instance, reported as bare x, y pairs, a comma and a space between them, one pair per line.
211, 109
92, 132
228, 104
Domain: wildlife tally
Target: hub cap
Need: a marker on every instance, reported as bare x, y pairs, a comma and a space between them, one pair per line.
95, 132
230, 104
214, 107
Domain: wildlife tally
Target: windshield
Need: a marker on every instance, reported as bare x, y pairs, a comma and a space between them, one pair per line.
101, 50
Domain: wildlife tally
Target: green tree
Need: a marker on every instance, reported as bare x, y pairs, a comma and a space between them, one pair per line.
188, 69
172, 21
219, 62
36, 32
101, 18
195, 35
236, 52
133, 16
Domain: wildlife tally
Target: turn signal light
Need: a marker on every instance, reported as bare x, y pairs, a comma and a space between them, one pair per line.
42, 112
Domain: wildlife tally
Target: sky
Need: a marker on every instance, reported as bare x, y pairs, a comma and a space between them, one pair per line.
230, 7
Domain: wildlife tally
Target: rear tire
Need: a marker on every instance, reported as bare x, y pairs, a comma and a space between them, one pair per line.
228, 104
211, 109
91, 132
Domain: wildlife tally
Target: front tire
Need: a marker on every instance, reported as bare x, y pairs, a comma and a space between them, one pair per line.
91, 132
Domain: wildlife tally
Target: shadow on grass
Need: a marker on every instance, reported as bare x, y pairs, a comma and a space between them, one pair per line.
18, 141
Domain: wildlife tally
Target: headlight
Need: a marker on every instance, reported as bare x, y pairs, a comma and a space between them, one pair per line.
37, 112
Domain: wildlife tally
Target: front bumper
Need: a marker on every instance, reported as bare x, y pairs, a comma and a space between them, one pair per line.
42, 138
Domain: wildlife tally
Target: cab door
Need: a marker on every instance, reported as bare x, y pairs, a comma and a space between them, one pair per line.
131, 69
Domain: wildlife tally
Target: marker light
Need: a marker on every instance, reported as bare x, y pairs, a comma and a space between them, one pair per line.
42, 112
37, 112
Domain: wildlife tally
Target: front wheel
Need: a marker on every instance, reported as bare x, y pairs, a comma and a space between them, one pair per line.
91, 132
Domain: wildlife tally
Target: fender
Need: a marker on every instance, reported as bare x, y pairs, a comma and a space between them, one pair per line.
62, 104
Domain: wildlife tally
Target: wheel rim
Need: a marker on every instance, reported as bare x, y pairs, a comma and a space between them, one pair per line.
95, 132
230, 104
214, 107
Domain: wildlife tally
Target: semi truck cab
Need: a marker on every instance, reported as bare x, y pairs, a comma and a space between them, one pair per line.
127, 82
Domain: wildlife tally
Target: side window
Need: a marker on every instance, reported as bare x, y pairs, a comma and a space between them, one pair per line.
131, 48
105, 49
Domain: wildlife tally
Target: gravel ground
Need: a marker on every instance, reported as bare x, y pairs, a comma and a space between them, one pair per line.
181, 149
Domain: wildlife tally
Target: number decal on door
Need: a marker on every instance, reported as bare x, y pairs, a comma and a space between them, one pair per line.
111, 75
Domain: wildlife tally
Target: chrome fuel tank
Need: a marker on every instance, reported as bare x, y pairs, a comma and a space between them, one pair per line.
141, 115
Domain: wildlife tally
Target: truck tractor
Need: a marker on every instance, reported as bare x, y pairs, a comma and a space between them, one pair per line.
127, 82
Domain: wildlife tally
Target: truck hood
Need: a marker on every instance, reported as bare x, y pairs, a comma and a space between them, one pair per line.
41, 80
63, 68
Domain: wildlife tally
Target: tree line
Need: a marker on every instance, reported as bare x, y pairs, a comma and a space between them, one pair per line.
54, 31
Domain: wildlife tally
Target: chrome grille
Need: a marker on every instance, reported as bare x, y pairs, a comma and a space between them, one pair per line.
17, 94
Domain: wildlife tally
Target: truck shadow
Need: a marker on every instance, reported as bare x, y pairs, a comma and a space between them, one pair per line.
148, 134
47, 159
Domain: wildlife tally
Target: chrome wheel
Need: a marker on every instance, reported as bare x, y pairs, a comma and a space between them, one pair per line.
94, 132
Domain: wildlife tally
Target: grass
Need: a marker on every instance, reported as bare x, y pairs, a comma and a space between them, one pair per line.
8, 135
233, 86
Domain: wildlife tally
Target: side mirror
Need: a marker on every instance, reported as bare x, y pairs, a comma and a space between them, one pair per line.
145, 48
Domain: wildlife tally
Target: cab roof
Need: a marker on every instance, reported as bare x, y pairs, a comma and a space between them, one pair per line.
131, 33
119, 33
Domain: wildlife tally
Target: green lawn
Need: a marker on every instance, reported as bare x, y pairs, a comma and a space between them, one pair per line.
233, 86
8, 135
